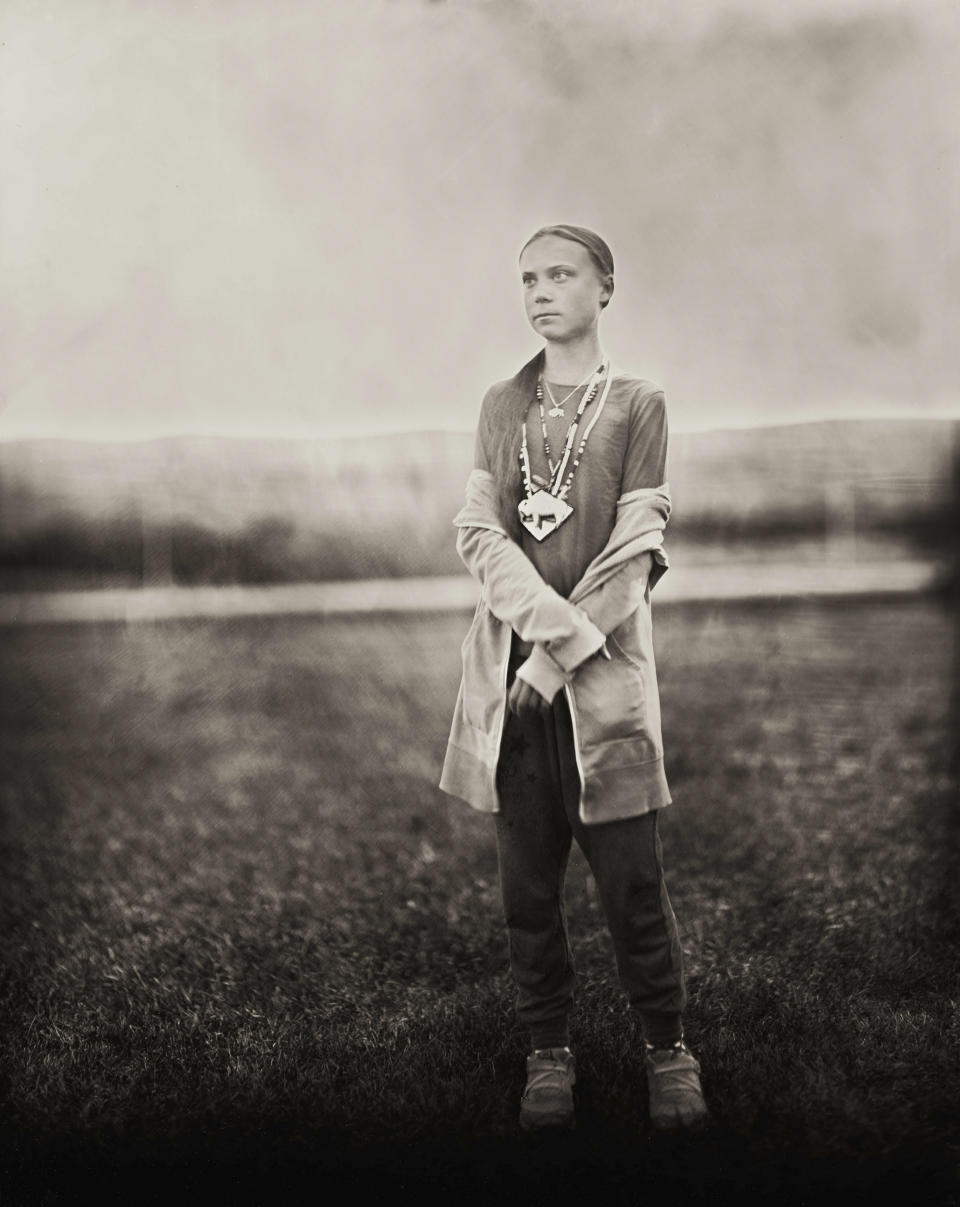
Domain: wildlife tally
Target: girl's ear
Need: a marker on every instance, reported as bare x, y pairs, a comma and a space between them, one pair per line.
606, 291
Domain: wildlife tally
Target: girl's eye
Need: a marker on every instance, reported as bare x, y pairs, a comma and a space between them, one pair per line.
560, 275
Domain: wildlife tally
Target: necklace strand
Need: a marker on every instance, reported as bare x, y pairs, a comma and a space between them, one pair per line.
543, 422
584, 403
556, 472
556, 411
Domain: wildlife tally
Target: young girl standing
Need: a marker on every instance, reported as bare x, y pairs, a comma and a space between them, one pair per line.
556, 729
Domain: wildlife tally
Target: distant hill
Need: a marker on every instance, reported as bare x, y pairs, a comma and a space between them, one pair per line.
227, 482
384, 503
223, 482
890, 466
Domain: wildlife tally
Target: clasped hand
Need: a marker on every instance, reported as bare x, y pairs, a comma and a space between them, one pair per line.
525, 701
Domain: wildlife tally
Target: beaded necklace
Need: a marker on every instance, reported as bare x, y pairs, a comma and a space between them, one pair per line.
543, 511
584, 403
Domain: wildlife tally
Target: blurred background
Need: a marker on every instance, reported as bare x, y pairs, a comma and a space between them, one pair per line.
258, 272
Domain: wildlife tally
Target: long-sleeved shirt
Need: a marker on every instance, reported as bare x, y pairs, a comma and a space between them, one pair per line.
627, 450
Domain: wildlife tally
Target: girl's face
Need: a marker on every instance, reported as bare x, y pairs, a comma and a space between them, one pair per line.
563, 292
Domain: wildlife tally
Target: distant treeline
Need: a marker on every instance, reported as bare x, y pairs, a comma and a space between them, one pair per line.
270, 550
68, 550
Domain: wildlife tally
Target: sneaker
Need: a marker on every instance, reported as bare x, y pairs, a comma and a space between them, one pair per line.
548, 1098
673, 1083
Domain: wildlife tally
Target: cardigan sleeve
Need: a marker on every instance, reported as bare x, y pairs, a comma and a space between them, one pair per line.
607, 607
516, 594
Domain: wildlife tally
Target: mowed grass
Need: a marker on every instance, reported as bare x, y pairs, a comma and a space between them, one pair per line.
250, 950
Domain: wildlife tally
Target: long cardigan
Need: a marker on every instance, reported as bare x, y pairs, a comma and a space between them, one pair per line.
596, 645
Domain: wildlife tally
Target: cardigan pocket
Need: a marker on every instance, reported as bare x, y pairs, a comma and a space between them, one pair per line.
618, 699
626, 655
633, 641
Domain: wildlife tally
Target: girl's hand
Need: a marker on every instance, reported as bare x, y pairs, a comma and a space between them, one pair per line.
526, 701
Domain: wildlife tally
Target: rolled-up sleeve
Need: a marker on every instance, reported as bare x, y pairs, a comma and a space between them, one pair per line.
516, 594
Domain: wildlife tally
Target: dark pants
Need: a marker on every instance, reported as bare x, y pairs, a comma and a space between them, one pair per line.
539, 789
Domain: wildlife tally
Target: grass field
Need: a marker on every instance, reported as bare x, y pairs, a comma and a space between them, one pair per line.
251, 952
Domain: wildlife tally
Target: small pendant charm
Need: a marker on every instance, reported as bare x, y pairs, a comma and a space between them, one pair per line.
556, 412
543, 513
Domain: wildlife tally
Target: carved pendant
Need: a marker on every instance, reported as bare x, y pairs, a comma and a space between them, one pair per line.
543, 513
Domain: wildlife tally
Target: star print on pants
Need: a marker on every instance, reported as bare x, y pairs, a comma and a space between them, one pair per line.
519, 744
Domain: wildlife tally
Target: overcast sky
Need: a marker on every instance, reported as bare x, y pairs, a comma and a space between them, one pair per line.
296, 218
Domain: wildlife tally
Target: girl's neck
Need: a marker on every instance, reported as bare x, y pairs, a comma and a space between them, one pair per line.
570, 362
